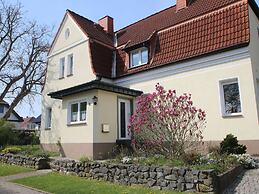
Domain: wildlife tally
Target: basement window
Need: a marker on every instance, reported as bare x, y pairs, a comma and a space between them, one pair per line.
77, 112
230, 97
139, 57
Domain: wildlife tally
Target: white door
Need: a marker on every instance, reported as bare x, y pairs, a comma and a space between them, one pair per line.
124, 114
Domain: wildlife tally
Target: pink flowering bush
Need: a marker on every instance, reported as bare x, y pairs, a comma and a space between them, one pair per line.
165, 123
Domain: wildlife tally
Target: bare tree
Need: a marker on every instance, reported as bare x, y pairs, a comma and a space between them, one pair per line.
23, 53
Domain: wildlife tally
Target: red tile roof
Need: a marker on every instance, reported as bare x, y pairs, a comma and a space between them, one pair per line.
91, 29
203, 27
102, 59
212, 32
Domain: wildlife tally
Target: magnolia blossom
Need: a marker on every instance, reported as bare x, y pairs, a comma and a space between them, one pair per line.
166, 123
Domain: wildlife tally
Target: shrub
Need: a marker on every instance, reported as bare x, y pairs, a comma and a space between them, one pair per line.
230, 145
85, 159
7, 136
12, 150
165, 123
191, 158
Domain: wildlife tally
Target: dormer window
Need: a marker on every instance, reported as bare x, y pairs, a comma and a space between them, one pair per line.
138, 57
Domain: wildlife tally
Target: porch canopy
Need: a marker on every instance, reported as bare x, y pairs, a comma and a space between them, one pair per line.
95, 84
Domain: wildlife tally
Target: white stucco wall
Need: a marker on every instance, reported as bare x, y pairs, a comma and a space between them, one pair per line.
76, 44
201, 77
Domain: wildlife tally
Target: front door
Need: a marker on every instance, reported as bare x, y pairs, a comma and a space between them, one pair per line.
124, 113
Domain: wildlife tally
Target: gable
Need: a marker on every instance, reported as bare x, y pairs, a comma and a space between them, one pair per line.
62, 41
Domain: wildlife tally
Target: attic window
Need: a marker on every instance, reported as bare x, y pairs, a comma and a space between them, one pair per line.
67, 33
139, 57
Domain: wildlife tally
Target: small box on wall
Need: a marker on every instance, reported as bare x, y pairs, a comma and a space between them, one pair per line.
105, 128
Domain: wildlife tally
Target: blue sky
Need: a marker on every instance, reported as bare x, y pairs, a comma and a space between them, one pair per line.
51, 12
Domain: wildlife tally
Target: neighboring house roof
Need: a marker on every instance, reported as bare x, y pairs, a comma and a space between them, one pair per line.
96, 84
37, 120
19, 118
25, 122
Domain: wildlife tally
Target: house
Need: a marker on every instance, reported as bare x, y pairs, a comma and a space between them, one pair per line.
14, 118
203, 47
30, 124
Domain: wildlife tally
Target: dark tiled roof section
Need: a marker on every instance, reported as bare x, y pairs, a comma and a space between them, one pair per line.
92, 29
213, 32
102, 59
141, 30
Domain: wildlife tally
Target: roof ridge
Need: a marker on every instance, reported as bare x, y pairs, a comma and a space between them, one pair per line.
146, 18
97, 26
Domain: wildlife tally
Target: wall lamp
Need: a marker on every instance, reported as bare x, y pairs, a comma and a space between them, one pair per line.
95, 100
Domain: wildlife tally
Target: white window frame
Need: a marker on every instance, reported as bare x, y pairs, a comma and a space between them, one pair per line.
62, 67
70, 69
69, 120
48, 118
139, 51
222, 98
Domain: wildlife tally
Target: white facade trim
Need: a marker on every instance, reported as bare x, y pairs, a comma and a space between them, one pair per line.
182, 67
68, 48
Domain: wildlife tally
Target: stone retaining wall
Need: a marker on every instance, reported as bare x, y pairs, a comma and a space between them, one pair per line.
164, 178
32, 162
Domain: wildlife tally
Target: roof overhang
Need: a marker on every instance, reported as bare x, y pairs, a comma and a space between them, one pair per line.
96, 84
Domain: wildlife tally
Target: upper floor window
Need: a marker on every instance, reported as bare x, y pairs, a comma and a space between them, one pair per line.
230, 96
70, 64
62, 68
139, 57
1, 109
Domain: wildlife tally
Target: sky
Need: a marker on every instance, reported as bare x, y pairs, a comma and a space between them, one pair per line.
51, 12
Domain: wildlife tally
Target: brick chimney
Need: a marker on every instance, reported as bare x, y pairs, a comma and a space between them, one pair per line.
107, 23
180, 4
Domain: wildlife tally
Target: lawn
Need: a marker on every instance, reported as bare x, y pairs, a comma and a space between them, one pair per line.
56, 183
6, 169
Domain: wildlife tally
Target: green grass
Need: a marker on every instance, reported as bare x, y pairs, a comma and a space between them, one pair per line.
6, 169
59, 184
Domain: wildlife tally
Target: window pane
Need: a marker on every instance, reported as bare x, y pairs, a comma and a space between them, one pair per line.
1, 108
122, 120
74, 112
232, 98
144, 56
82, 111
62, 68
49, 112
70, 65
135, 59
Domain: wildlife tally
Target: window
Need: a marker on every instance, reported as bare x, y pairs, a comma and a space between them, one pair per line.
70, 64
1, 109
62, 68
77, 112
67, 33
139, 57
48, 118
230, 96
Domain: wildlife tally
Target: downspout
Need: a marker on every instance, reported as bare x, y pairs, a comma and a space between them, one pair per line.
114, 57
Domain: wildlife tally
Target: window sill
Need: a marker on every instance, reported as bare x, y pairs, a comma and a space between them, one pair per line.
233, 115
138, 66
61, 78
77, 124
69, 75
48, 129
